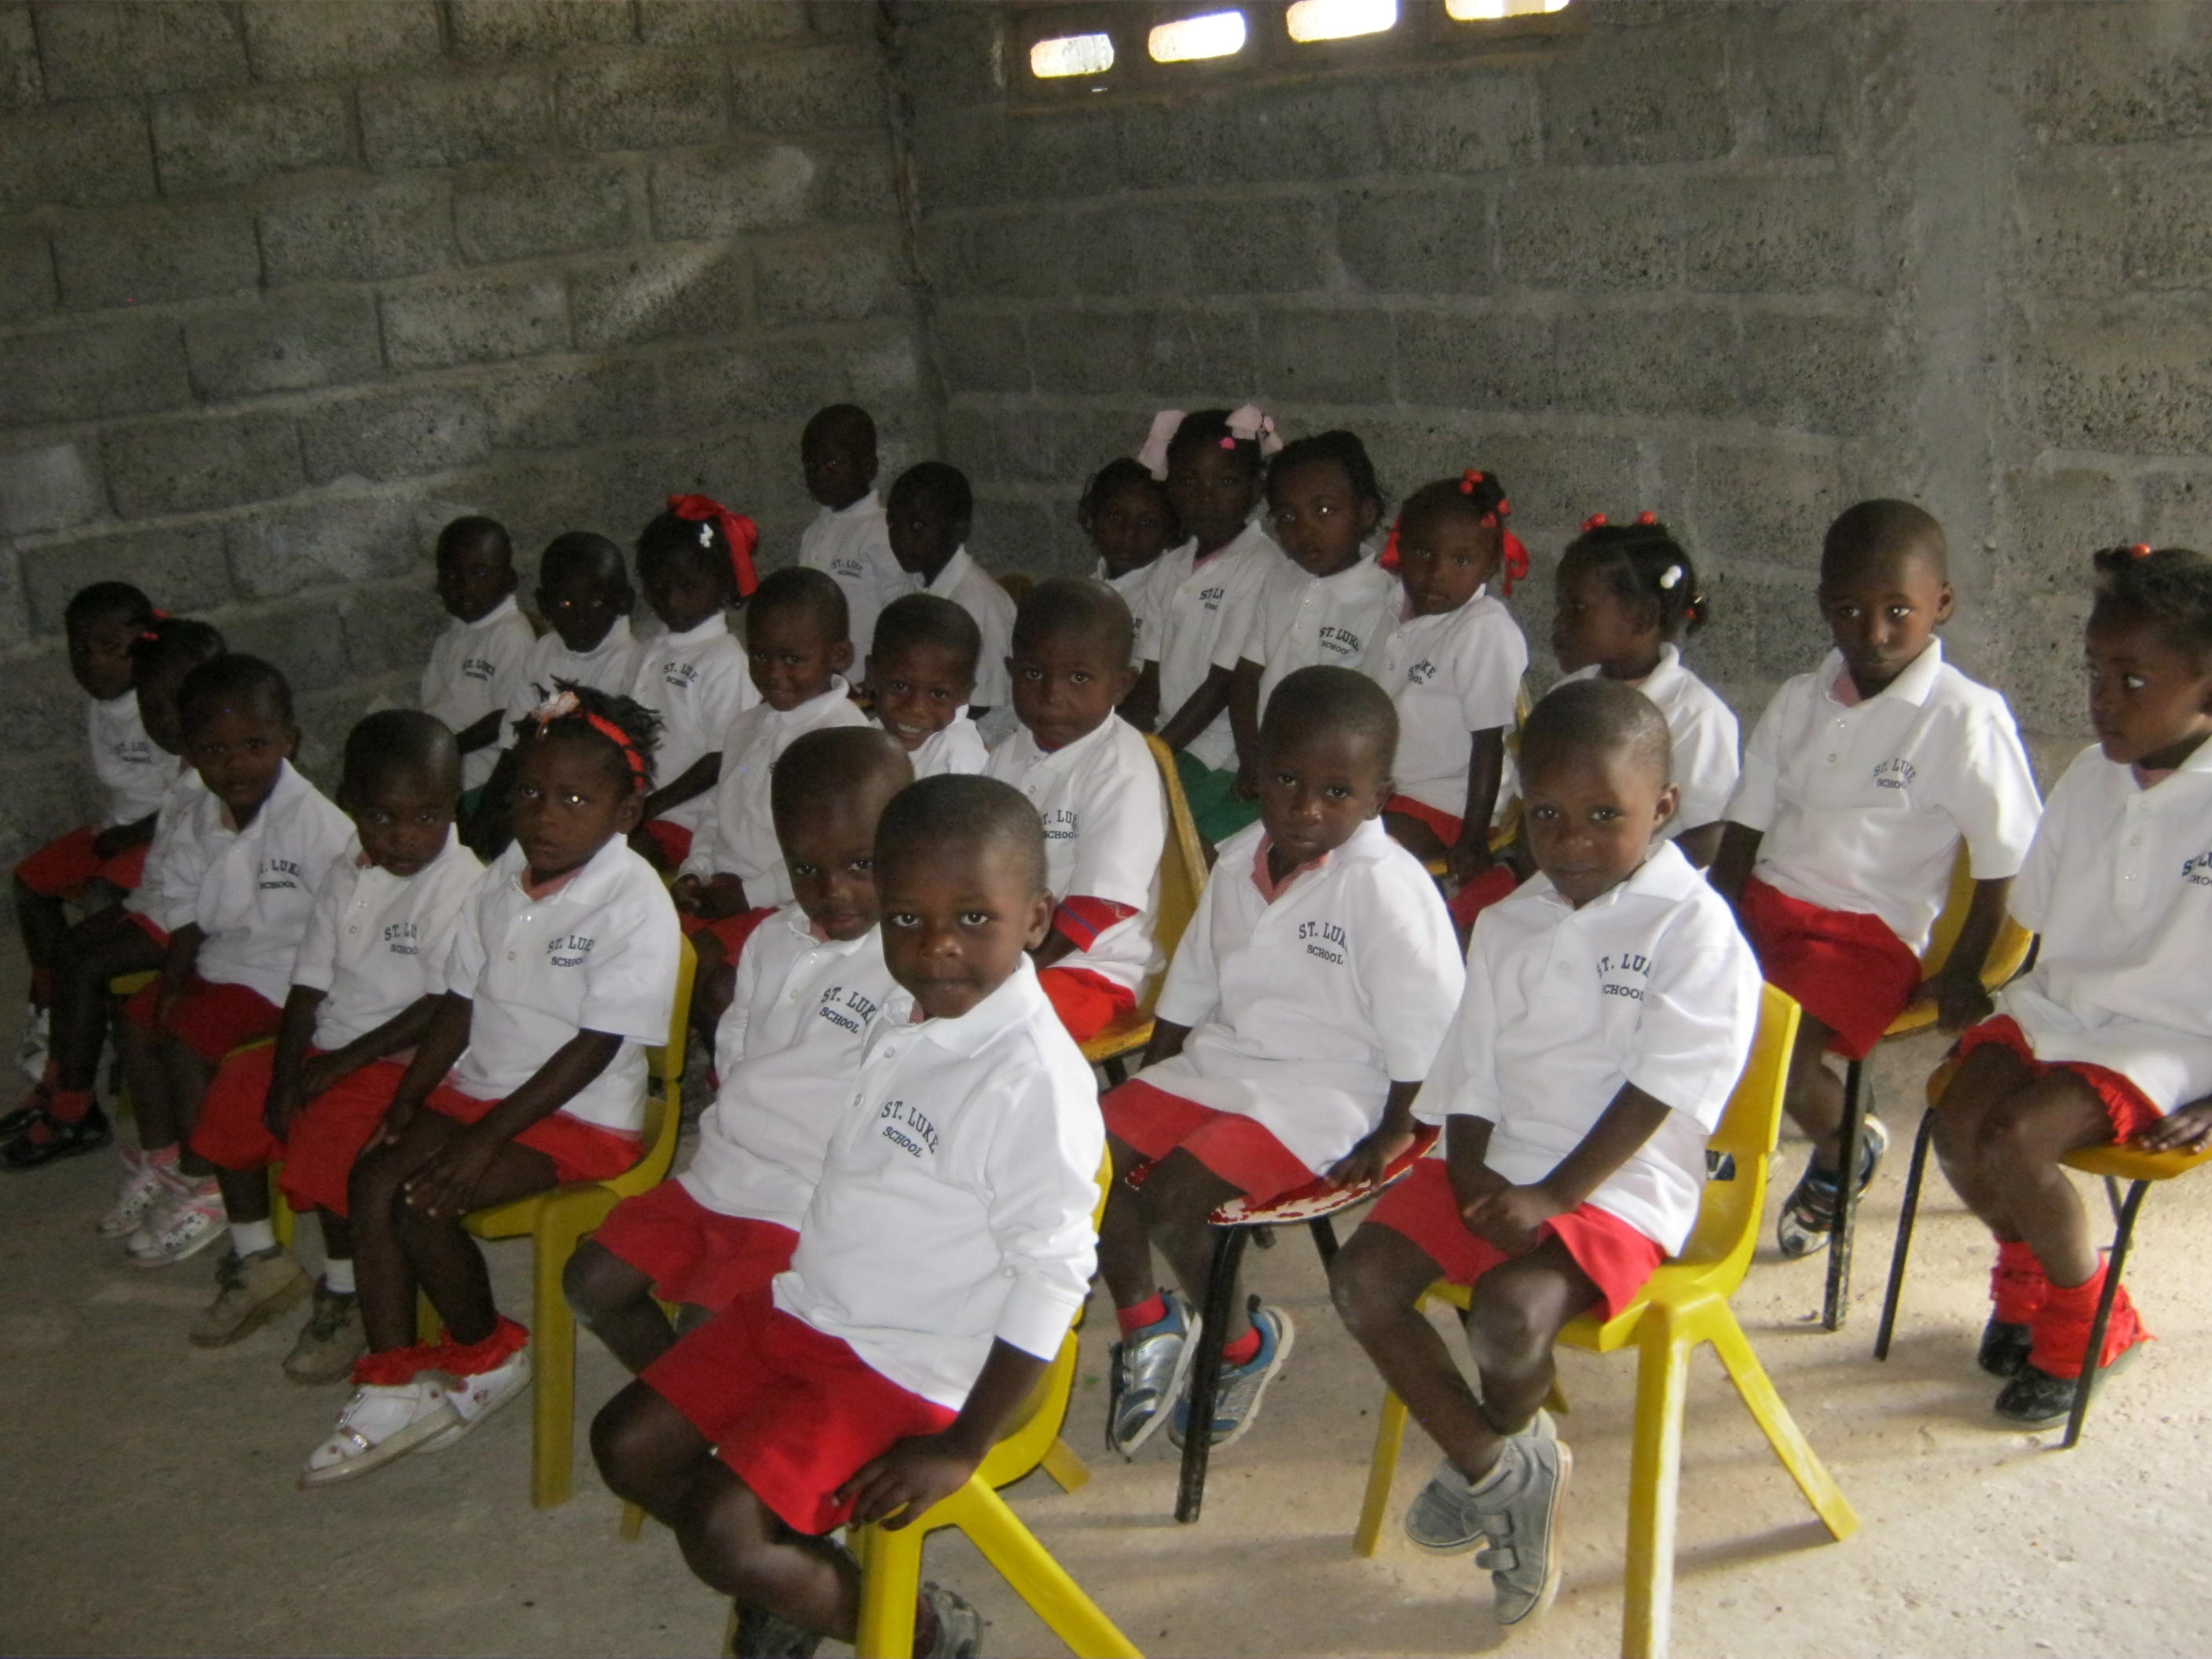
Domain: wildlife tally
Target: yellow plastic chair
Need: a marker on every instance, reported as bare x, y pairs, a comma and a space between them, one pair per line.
1507, 829
2008, 956
1686, 1302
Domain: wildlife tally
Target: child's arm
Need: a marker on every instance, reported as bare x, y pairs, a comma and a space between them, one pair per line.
698, 778
404, 1029
1485, 775
122, 838
1508, 1216
1732, 865
1956, 988
176, 964
1362, 1166
1244, 723
1205, 705
481, 732
289, 1093
1168, 1039
1141, 708
446, 1184
924, 1469
1701, 845
445, 1039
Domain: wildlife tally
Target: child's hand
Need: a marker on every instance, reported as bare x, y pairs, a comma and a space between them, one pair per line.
1470, 856
283, 1106
723, 895
916, 1474
1510, 1216
685, 891
446, 1185
1959, 996
2185, 1129
1362, 1166
318, 1074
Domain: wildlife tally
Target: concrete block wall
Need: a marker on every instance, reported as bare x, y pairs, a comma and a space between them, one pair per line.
285, 284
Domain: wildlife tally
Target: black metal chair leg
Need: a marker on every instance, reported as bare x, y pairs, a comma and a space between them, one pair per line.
1906, 1215
1324, 1238
2087, 1381
1836, 1303
2113, 1197
1205, 1371
1116, 1070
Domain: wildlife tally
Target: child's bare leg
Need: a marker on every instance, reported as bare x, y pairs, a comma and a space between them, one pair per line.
738, 1545
2021, 1143
649, 1452
447, 1263
1518, 1311
337, 1237
1174, 1202
384, 1276
244, 1194
188, 1079
1125, 1250
1985, 1081
615, 1301
40, 923
146, 1075
1376, 1281
94, 952
1814, 1095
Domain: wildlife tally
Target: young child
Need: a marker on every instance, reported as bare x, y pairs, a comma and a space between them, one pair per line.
1325, 599
362, 993
789, 1055
1203, 593
920, 675
476, 666
1126, 512
1452, 659
930, 513
102, 623
1610, 1006
563, 972
1625, 596
1858, 784
797, 653
1092, 780
940, 1261
59, 1117
2108, 1040
258, 847
848, 539
1299, 1018
691, 561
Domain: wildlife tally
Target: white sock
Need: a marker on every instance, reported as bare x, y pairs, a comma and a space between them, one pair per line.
337, 1275
252, 1237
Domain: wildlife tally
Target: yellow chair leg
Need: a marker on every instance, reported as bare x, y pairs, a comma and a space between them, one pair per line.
1041, 1582
1066, 1469
1555, 1401
429, 1328
1654, 1468
890, 1580
1381, 1472
280, 1212
553, 1369
633, 1522
1781, 1429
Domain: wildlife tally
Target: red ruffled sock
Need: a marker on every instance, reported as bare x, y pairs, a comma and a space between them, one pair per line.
1244, 1351
2018, 1284
2061, 1326
506, 1339
1148, 1312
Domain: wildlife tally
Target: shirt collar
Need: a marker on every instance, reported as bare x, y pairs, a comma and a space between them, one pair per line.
1912, 686
499, 613
1101, 734
955, 572
587, 884
618, 637
1664, 677
868, 503
713, 628
1019, 1000
282, 794
1664, 875
815, 707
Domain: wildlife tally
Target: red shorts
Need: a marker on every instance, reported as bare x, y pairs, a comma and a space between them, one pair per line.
1087, 1003
1238, 1149
793, 1413
211, 1018
153, 929
1446, 826
732, 931
1844, 968
1497, 881
64, 865
1618, 1260
2129, 1109
579, 1150
673, 840
325, 1139
694, 1254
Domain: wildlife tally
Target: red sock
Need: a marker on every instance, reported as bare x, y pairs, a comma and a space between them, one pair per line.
1148, 1312
68, 1105
1244, 1351
2061, 1325
2017, 1284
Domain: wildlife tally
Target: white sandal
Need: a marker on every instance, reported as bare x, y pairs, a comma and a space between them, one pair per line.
380, 1423
473, 1399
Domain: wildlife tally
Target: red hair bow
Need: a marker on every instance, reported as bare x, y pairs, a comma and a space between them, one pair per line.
1596, 521
743, 534
1514, 562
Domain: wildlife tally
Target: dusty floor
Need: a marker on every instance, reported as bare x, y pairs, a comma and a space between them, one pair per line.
147, 1503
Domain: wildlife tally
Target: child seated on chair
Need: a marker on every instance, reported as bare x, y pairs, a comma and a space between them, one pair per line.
1610, 1006
929, 515
476, 664
921, 674
1859, 783
789, 1056
531, 1074
260, 843
939, 1265
1131, 523
1299, 1018
847, 539
1091, 778
2108, 1040
361, 995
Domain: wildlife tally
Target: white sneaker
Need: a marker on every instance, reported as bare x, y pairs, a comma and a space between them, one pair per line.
141, 1189
378, 1424
31, 1050
184, 1228
475, 1398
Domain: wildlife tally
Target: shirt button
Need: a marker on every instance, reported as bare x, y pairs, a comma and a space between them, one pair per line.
1831, 758
510, 956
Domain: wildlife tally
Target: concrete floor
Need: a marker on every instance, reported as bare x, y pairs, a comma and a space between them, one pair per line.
147, 1502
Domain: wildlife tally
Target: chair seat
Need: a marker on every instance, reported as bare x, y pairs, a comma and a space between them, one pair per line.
1125, 1036
2134, 1164
1321, 1196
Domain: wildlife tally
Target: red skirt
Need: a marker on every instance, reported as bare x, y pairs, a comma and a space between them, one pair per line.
732, 931
579, 1150
673, 840
211, 1018
2127, 1107
1446, 826
1087, 1003
1241, 1150
64, 865
693, 1253
318, 1155
1497, 881
1843, 968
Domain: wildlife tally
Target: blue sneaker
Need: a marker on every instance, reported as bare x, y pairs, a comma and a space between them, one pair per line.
1150, 1365
1236, 1401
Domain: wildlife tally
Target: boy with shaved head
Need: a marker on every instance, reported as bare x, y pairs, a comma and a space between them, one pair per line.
848, 540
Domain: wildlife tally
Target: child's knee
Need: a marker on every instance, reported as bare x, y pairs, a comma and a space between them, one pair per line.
1368, 1283
1511, 1323
725, 1533
597, 1282
629, 1444
373, 1187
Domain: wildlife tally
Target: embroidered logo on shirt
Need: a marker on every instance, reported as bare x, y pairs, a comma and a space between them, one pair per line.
570, 950
276, 874
2198, 872
1324, 940
478, 668
679, 674
895, 1112
1628, 962
1060, 824
1339, 642
848, 1010
1894, 773
133, 751
1210, 598
1421, 672
402, 939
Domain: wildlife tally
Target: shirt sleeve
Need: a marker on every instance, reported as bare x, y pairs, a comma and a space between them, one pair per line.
1695, 1028
1463, 1081
318, 946
630, 978
463, 965
1125, 831
1487, 666
1192, 990
1758, 781
1042, 1179
1706, 764
1994, 800
508, 683
1407, 962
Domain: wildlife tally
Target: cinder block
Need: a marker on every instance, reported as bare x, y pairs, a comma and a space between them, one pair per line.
1325, 129
2109, 74
27, 274
1038, 537
339, 39
305, 640
803, 91
444, 120
1795, 77
1242, 244
2043, 676
51, 486
181, 567
81, 155
129, 48
39, 800
1193, 357
2169, 241
973, 154
399, 433
1315, 356
2069, 230
389, 628
712, 23
289, 340
715, 193
826, 279
1459, 121
46, 708
1777, 235
1550, 482
1424, 240
211, 141
1025, 256
1057, 446
788, 378
988, 350
854, 177
145, 255
1842, 375
1677, 362
886, 369
958, 53
1762, 504
503, 28
2049, 522
1647, 98
537, 499
199, 461
127, 366
354, 229
574, 402
1784, 614
477, 320
2135, 379
1588, 233
519, 212
21, 83
642, 100
833, 20
339, 538
657, 292
1476, 359
2177, 511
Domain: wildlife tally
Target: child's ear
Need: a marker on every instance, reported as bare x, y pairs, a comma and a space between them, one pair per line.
631, 813
1040, 921
1371, 514
1670, 799
1126, 682
509, 582
1945, 603
291, 741
841, 656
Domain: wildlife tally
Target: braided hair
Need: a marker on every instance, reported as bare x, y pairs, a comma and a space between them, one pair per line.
2168, 586
1644, 564
1339, 448
626, 729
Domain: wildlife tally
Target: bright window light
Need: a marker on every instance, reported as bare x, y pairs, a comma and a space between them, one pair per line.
1214, 35
1339, 20
1481, 11
1071, 54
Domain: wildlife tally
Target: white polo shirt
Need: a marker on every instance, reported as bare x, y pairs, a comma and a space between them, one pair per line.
788, 1053
376, 943
1650, 984
598, 953
1197, 606
165, 892
1451, 676
852, 545
1303, 1011
955, 1203
253, 889
1706, 738
737, 837
474, 668
2119, 885
697, 682
959, 746
1105, 827
975, 591
1862, 806
1299, 621
1135, 587
610, 665
133, 769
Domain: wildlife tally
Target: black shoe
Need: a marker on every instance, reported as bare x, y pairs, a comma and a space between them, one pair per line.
2034, 1399
2004, 1348
1809, 1214
49, 1139
13, 1123
761, 1635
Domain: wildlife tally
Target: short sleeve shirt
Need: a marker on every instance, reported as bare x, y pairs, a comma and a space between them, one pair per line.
134, 770
376, 943
476, 667
1451, 676
698, 682
610, 665
975, 591
1197, 604
852, 545
255, 887
1300, 620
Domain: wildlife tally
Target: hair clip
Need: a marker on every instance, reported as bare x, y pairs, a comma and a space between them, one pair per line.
1249, 423
1670, 578
1504, 509
1647, 517
1596, 521
148, 634
558, 706
2139, 551
1468, 479
160, 615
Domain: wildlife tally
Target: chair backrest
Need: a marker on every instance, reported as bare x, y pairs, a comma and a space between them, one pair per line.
1182, 868
1728, 1220
1018, 584
663, 1112
2007, 954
